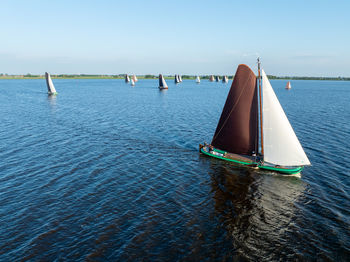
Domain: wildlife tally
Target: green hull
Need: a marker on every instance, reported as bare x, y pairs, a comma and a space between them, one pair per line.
287, 171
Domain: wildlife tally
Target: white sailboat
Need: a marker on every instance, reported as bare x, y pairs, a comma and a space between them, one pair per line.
50, 87
134, 78
288, 86
162, 83
127, 79
180, 78
198, 80
177, 79
225, 79
132, 82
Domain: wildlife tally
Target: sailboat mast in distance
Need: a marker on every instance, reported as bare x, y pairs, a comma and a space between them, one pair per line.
162, 83
260, 104
176, 79
127, 79
50, 87
288, 86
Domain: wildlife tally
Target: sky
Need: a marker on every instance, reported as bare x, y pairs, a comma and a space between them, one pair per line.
292, 38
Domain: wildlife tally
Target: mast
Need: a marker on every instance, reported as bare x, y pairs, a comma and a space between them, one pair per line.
260, 103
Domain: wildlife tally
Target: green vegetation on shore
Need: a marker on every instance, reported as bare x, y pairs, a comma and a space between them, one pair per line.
122, 76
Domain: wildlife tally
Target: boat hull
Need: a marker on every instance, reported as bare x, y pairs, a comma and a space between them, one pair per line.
216, 153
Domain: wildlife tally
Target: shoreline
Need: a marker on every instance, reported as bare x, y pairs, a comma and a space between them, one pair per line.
205, 77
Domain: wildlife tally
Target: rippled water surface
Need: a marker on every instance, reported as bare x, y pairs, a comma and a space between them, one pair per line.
109, 171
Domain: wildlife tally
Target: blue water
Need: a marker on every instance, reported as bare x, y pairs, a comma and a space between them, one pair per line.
105, 171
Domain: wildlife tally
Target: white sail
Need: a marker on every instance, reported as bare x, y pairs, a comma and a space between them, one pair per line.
134, 78
180, 78
162, 83
198, 80
132, 82
281, 145
288, 86
50, 87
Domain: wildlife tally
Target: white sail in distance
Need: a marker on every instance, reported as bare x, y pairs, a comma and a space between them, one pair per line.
132, 82
281, 145
162, 83
198, 80
288, 86
134, 78
50, 87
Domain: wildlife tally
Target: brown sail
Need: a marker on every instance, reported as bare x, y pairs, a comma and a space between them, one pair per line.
237, 130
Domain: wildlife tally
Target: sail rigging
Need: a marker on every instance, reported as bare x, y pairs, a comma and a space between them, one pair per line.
237, 130
281, 145
50, 87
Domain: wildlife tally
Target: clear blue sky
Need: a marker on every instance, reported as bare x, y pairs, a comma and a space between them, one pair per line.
305, 37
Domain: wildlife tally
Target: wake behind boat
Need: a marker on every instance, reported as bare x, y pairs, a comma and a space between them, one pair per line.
236, 138
50, 87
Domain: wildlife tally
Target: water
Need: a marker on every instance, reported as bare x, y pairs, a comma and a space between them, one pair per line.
108, 171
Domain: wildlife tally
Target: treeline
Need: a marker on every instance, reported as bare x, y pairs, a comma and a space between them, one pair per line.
149, 76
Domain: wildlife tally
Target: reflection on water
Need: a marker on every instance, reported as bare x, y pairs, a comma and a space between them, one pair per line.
114, 174
256, 210
52, 100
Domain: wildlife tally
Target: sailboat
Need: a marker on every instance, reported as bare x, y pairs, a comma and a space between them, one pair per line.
162, 83
134, 78
236, 138
288, 86
127, 79
180, 78
198, 80
132, 82
211, 78
217, 79
225, 79
50, 87
177, 79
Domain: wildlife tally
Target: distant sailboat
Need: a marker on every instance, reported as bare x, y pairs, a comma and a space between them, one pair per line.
162, 83
236, 138
127, 79
211, 78
288, 86
132, 82
50, 87
180, 78
225, 79
134, 78
198, 80
177, 79
217, 79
